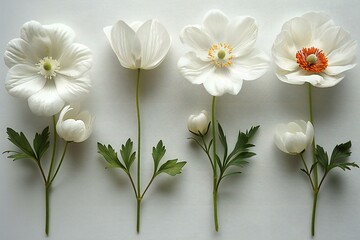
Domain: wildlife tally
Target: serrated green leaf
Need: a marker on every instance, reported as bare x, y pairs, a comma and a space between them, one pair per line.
322, 157
19, 140
171, 167
41, 143
344, 166
223, 141
110, 156
340, 152
18, 155
252, 131
230, 174
158, 153
127, 155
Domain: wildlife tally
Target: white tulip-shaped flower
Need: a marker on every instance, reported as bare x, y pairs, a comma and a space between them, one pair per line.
199, 124
312, 49
294, 137
140, 45
47, 68
74, 126
223, 53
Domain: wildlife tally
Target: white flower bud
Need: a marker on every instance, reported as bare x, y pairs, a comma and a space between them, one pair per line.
199, 124
73, 126
294, 137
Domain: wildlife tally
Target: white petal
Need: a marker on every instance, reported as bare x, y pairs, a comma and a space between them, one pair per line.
75, 60
47, 101
330, 81
251, 66
37, 37
279, 132
301, 76
23, 81
72, 130
193, 68
215, 23
295, 143
319, 22
61, 36
284, 52
296, 126
72, 89
221, 80
198, 40
122, 40
155, 43
241, 34
300, 31
19, 52
309, 133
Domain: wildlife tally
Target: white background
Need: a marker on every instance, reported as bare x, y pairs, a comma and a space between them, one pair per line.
270, 200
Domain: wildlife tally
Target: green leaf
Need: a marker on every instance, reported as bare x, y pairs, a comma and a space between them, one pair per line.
127, 154
322, 157
344, 166
41, 143
223, 141
171, 167
19, 140
340, 152
231, 174
158, 153
110, 156
18, 155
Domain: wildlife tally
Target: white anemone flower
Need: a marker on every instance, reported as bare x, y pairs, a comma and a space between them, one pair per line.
294, 137
73, 125
199, 124
223, 53
47, 68
312, 49
140, 45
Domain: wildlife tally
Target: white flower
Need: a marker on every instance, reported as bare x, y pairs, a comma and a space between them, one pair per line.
223, 53
199, 124
294, 137
46, 67
73, 126
311, 48
140, 45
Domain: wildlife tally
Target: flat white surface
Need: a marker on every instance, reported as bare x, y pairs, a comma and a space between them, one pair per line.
270, 200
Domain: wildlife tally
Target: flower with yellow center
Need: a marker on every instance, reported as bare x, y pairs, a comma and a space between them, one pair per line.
47, 68
223, 53
312, 49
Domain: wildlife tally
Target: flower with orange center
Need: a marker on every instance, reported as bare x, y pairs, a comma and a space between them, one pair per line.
223, 53
311, 48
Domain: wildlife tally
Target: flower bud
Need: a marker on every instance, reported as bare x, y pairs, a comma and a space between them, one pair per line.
199, 124
294, 137
73, 126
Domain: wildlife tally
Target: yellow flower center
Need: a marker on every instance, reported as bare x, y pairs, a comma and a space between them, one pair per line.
48, 67
312, 60
221, 55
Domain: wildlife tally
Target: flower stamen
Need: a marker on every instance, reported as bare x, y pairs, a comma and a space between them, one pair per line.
312, 60
48, 67
221, 55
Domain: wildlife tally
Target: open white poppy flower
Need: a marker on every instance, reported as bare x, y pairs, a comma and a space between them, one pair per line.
140, 45
47, 67
312, 49
223, 53
73, 125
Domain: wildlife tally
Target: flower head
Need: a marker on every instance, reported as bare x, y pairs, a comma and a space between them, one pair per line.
294, 137
47, 67
140, 45
311, 48
199, 124
222, 53
74, 126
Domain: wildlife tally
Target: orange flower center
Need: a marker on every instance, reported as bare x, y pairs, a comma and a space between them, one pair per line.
312, 60
221, 55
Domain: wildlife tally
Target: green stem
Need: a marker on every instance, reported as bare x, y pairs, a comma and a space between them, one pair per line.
307, 171
54, 149
214, 165
315, 172
61, 161
147, 187
138, 153
47, 208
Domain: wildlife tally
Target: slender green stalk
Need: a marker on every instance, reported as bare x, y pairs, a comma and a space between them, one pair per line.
147, 187
54, 149
214, 165
307, 171
315, 175
47, 208
138, 153
61, 161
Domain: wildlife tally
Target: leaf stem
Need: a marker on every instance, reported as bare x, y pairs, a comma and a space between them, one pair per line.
206, 150
132, 184
47, 208
41, 170
138, 152
147, 187
307, 171
54, 149
61, 160
214, 165
316, 192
